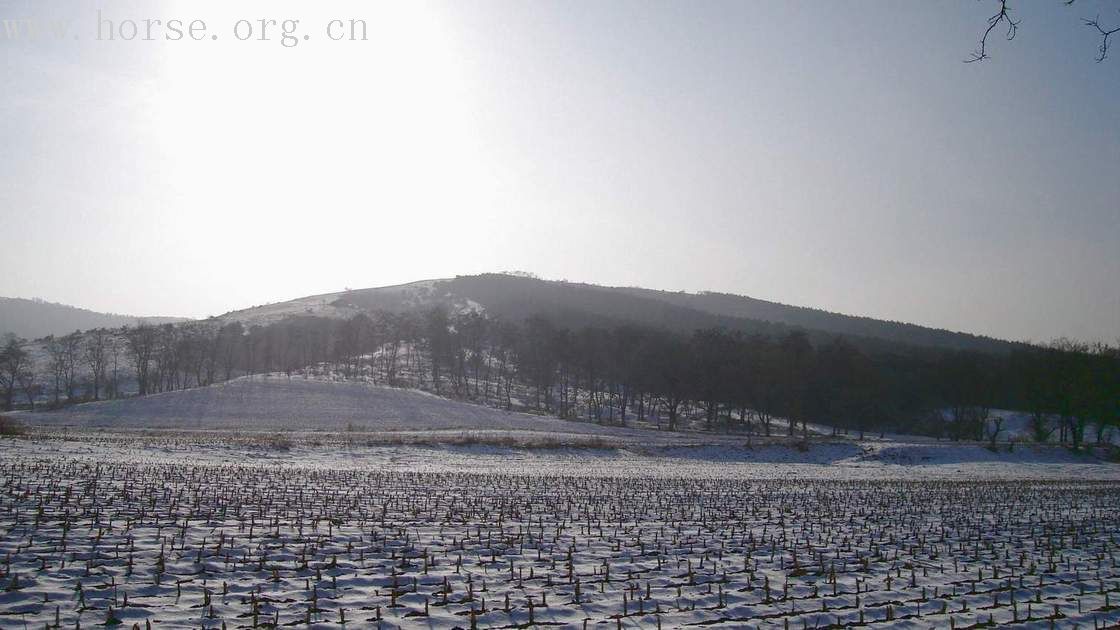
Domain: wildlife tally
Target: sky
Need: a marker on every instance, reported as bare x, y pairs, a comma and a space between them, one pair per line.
833, 155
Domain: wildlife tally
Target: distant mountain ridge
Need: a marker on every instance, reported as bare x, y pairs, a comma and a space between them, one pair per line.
515, 297
826, 321
577, 303
34, 318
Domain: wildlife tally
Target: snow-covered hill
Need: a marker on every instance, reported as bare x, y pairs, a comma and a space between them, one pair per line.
322, 416
346, 304
272, 402
514, 297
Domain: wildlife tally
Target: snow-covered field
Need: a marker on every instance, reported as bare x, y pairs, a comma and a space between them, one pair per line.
209, 530
271, 402
267, 408
268, 502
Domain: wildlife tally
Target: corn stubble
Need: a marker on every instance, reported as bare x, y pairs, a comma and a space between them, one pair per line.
135, 544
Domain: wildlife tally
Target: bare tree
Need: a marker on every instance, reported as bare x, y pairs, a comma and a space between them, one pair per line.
142, 342
26, 379
1041, 426
1003, 20
995, 426
71, 351
1095, 23
95, 353
13, 362
1002, 17
56, 364
115, 349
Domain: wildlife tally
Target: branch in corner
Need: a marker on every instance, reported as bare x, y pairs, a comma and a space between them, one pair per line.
1102, 51
1003, 16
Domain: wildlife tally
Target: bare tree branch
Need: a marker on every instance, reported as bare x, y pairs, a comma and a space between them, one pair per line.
1105, 34
1003, 16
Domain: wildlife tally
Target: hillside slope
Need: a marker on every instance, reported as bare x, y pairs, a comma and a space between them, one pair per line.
278, 403
574, 305
32, 319
577, 304
744, 307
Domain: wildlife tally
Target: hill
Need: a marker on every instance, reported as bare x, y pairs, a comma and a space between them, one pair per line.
324, 414
821, 320
277, 403
32, 319
574, 305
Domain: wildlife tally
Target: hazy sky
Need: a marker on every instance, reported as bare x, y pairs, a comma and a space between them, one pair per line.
830, 154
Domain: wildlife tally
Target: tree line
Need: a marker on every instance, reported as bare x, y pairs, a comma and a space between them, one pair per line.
713, 379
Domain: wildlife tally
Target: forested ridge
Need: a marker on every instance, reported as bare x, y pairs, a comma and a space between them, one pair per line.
575, 305
715, 378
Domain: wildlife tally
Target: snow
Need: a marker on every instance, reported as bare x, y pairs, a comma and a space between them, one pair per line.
200, 529
1016, 426
276, 402
359, 414
334, 305
270, 500
316, 305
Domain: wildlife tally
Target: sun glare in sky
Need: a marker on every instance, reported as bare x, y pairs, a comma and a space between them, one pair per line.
739, 147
